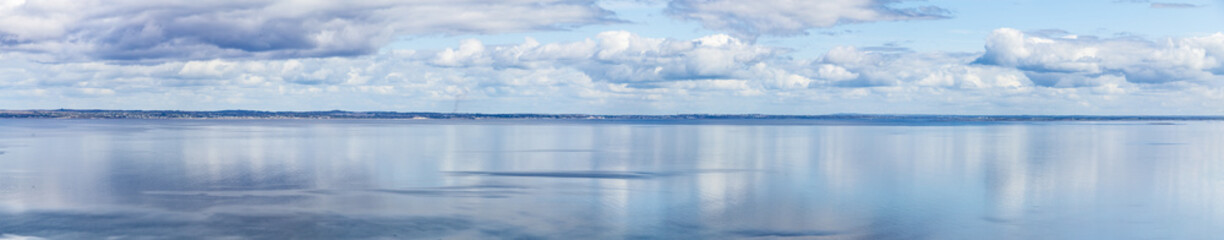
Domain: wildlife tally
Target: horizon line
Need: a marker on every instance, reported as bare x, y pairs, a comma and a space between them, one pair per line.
346, 114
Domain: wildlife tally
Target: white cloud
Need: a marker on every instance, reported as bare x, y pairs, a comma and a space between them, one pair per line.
834, 73
470, 52
621, 72
848, 55
1075, 61
18, 237
850, 67
611, 66
773, 77
82, 30
786, 17
619, 56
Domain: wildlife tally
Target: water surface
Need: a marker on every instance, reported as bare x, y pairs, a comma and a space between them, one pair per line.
372, 179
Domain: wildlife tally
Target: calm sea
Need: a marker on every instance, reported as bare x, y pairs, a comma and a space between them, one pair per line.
529, 179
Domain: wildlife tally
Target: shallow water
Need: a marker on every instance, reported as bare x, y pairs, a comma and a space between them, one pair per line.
285, 179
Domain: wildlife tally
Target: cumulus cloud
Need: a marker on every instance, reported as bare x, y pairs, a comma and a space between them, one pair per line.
851, 67
622, 72
613, 66
263, 29
619, 56
784, 17
1074, 61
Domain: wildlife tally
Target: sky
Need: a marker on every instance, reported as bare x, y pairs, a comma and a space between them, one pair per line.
1098, 57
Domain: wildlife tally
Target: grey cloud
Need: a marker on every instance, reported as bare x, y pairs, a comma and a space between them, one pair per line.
1161, 4
1175, 5
889, 47
748, 19
837, 33
265, 29
1051, 32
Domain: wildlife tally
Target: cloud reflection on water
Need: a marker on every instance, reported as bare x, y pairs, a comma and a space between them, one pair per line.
360, 180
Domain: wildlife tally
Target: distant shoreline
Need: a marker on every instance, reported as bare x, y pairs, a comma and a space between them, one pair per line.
250, 114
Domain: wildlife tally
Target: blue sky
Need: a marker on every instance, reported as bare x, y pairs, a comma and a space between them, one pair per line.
618, 56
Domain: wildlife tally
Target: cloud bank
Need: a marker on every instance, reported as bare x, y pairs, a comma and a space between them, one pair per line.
263, 29
319, 55
621, 72
786, 18
1072, 61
